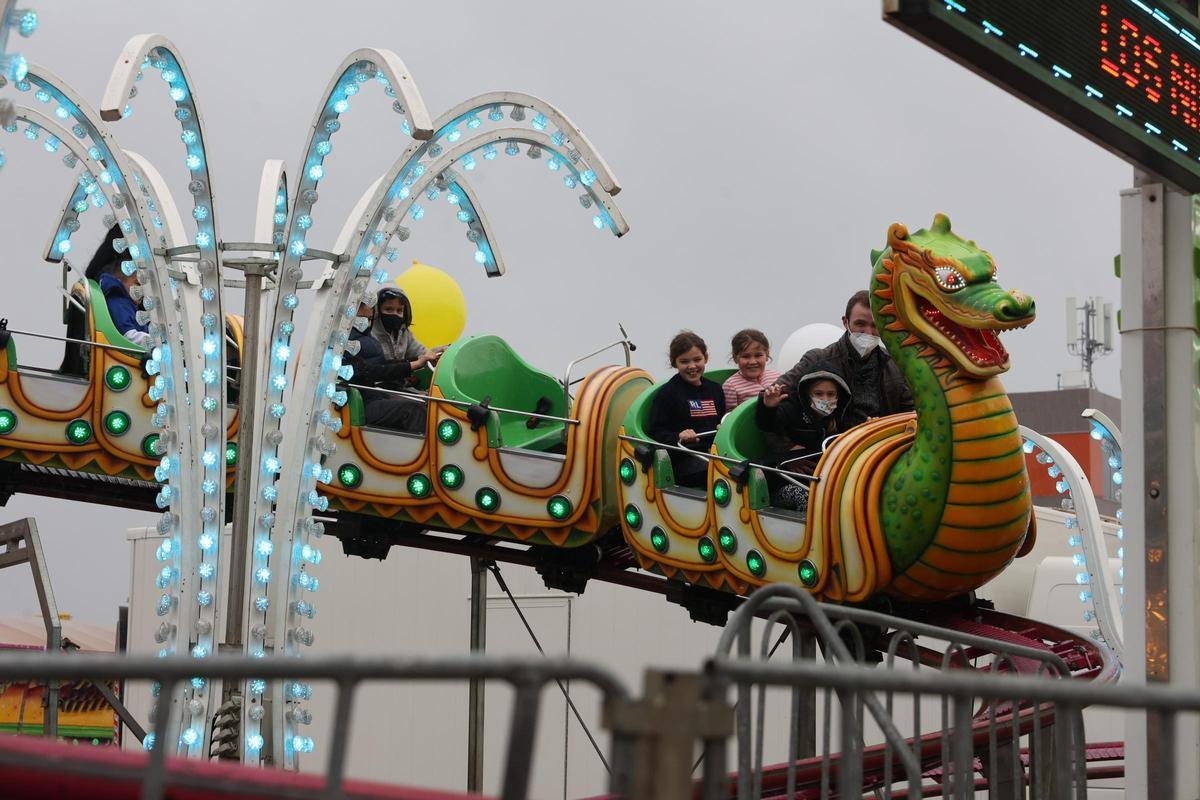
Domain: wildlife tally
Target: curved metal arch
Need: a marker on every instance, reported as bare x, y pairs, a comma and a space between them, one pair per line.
616, 220
67, 214
203, 304
1105, 598
165, 320
482, 102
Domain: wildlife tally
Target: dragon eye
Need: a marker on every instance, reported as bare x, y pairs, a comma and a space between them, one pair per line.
949, 278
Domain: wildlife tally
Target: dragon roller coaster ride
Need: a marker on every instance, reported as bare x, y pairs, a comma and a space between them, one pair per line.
910, 509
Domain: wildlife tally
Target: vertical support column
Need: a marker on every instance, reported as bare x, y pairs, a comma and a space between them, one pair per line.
243, 525
1159, 398
475, 701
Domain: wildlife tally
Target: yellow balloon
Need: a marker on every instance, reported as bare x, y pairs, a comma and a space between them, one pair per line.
439, 308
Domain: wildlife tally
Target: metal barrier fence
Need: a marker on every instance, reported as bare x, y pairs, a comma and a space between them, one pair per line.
985, 709
527, 676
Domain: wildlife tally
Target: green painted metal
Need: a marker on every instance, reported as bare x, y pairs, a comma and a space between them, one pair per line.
480, 367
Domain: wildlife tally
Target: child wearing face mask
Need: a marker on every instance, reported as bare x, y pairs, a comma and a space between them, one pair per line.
797, 426
751, 352
393, 316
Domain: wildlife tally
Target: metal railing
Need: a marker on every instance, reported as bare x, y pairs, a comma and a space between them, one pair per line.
527, 676
966, 668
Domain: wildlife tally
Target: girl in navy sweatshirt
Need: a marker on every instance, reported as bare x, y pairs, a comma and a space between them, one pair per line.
686, 407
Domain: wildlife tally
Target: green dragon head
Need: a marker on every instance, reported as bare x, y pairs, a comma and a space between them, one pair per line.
935, 290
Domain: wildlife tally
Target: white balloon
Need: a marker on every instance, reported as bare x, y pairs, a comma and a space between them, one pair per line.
814, 335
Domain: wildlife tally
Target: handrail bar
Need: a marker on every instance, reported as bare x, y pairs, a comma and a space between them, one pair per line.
135, 351
424, 398
792, 477
623, 343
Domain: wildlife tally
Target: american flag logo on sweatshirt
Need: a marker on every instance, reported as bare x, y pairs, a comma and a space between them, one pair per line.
702, 408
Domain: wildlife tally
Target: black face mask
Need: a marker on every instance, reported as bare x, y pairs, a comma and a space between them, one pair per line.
392, 323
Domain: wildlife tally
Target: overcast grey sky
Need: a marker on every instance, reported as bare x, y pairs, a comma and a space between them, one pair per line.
763, 149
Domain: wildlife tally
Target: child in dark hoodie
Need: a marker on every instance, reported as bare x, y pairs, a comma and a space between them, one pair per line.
797, 426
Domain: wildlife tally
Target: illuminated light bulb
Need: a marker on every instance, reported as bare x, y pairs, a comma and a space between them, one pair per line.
598, 222
323, 148
262, 575
1070, 522
207, 294
208, 375
453, 199
271, 465
209, 458
148, 742
1120, 534
553, 163
199, 651
192, 161
1120, 514
1081, 578
51, 144
1096, 434
209, 404
42, 96
177, 92
341, 106
298, 247
64, 246
1085, 597
416, 211
1061, 486
569, 181
304, 222
267, 520
454, 135
206, 541
264, 547
206, 569
495, 114
261, 603
316, 172
204, 598
1121, 552
279, 382
480, 257
254, 742
1078, 560
270, 494
1118, 478
280, 218
511, 149
208, 514
489, 152
209, 346
1074, 541
587, 177
200, 212
190, 736
27, 22
199, 683
300, 691
188, 137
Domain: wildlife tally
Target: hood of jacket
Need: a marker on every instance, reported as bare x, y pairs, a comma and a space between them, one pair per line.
825, 375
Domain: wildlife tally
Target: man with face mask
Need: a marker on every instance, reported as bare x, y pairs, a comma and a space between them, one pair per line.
876, 386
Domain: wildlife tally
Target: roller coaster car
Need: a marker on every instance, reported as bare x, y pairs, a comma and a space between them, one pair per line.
93, 414
715, 537
483, 465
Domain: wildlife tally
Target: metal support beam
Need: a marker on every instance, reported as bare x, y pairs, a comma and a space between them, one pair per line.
1160, 490
475, 700
21, 544
235, 608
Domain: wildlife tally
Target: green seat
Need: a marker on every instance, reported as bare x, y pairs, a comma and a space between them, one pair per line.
739, 436
485, 367
102, 319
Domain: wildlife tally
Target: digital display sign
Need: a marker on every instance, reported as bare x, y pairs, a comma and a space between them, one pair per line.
1125, 73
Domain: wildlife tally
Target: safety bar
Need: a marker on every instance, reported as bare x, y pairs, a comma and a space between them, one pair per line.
424, 398
791, 477
623, 343
131, 350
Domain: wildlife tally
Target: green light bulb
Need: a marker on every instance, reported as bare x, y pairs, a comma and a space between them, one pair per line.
8, 421
627, 471
419, 485
231, 454
559, 507
755, 562
451, 476
349, 475
721, 492
487, 499
150, 446
633, 516
808, 573
116, 422
449, 431
708, 550
658, 538
79, 431
117, 378
727, 540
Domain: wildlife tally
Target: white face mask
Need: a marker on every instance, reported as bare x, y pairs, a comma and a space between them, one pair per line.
864, 343
824, 407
